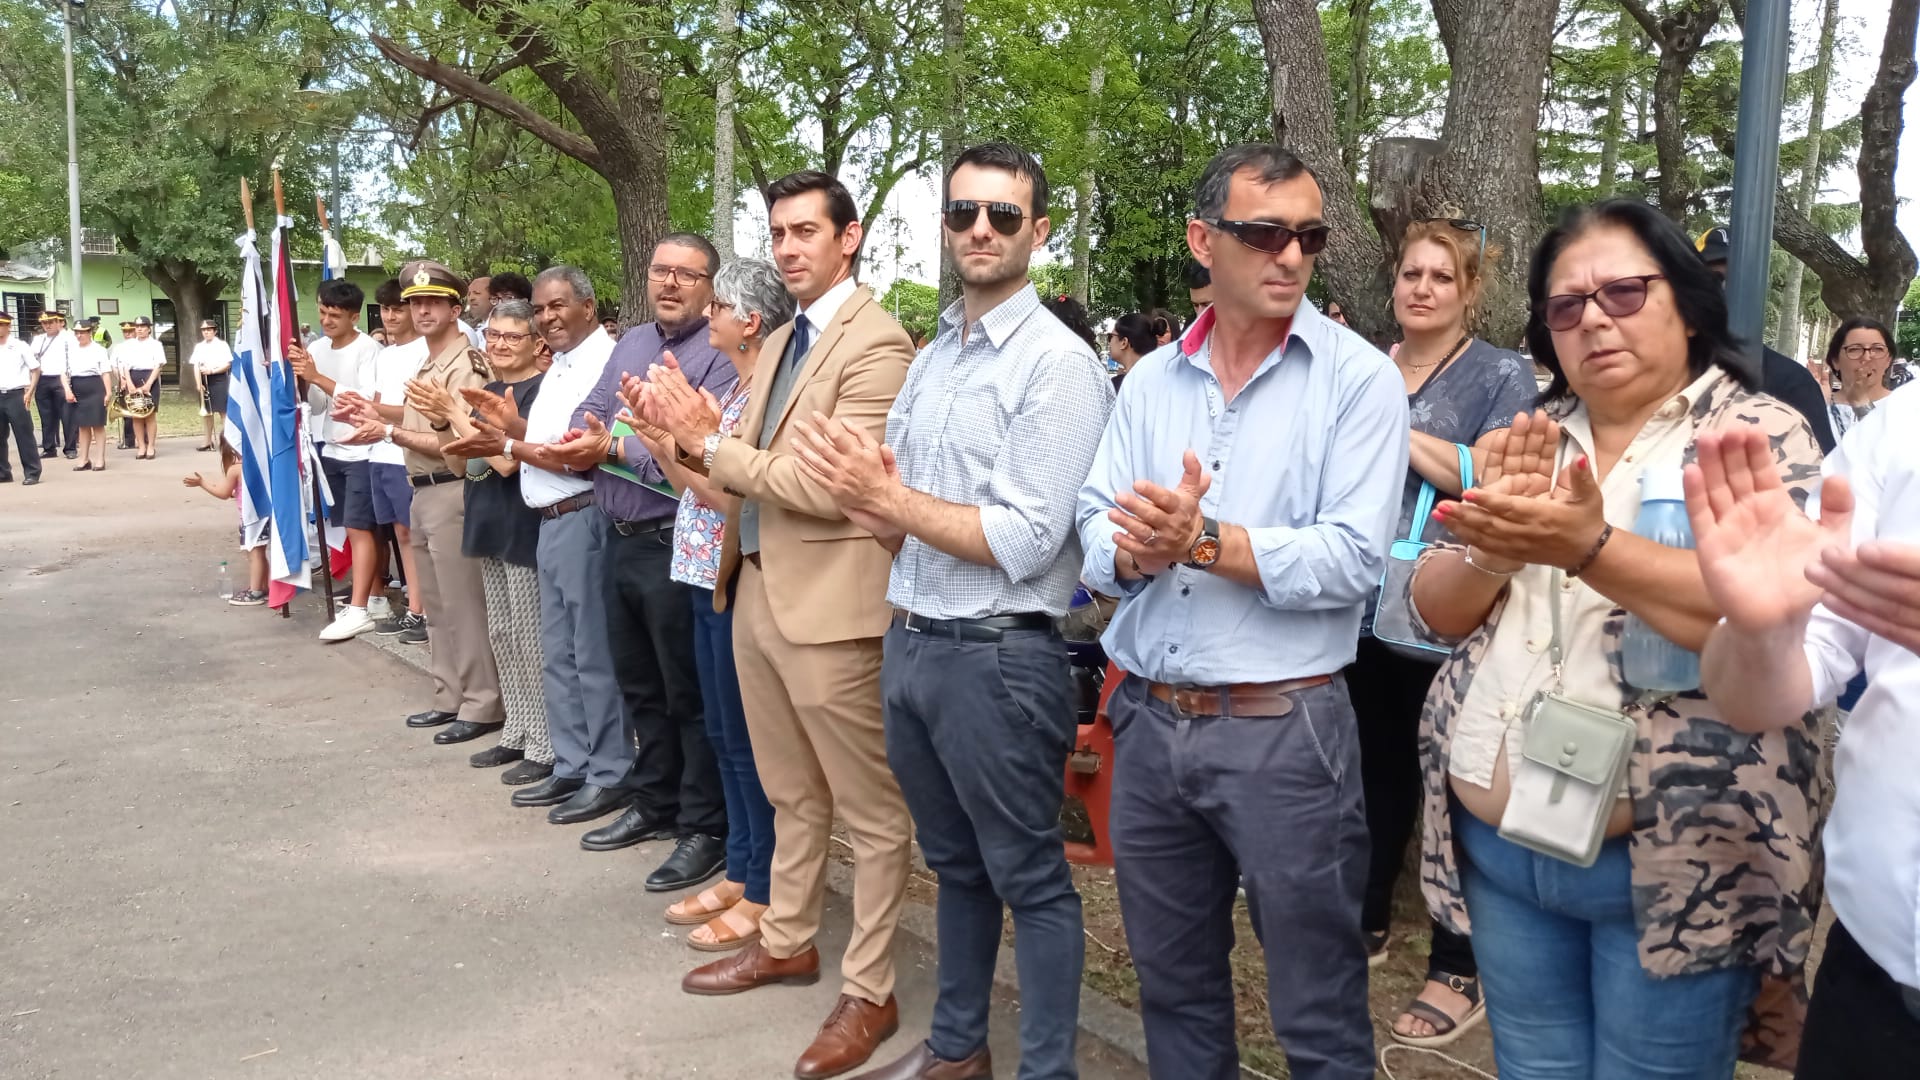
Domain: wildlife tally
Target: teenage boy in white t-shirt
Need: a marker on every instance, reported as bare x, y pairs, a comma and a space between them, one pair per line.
392, 493
343, 359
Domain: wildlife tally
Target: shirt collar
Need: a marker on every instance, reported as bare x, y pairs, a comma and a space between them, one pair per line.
821, 311
998, 323
591, 340
1308, 328
698, 325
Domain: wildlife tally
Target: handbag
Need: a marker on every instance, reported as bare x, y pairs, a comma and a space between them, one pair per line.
1573, 763
1393, 624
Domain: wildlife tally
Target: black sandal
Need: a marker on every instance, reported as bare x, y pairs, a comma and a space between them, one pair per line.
1445, 1028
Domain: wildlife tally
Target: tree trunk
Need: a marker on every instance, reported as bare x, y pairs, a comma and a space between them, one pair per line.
1788, 340
193, 294
1359, 29
1679, 37
953, 124
1614, 128
1083, 189
640, 214
723, 189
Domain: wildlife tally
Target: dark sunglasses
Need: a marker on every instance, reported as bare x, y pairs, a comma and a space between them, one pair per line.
1271, 238
1464, 225
961, 214
1618, 298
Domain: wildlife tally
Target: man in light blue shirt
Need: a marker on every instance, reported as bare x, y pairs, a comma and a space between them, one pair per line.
1241, 505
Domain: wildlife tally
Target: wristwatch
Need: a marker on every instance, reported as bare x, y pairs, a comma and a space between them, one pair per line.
709, 448
388, 437
1206, 547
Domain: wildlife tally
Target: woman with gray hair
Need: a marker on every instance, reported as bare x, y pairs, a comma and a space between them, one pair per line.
750, 298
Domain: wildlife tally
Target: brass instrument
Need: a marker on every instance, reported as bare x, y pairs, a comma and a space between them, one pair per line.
137, 405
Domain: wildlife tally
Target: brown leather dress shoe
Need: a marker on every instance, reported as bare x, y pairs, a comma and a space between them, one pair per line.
753, 967
920, 1064
853, 1030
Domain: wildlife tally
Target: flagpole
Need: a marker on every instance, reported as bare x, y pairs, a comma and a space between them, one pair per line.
300, 389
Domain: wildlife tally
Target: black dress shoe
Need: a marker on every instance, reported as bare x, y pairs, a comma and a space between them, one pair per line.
30, 481
526, 773
550, 792
70, 455
432, 718
590, 802
495, 756
695, 859
630, 828
464, 731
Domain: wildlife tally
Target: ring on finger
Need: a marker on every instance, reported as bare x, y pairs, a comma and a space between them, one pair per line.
1152, 536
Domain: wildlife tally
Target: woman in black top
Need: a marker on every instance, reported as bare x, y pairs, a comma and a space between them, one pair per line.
1130, 339
503, 533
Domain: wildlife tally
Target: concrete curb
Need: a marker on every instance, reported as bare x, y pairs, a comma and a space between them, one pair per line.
1100, 1016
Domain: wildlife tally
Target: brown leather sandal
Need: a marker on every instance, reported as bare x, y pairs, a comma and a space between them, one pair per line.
705, 905
1445, 1028
733, 928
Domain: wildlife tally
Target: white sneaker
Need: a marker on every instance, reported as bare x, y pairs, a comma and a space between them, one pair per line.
351, 623
378, 608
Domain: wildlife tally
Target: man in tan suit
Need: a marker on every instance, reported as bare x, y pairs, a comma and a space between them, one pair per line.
810, 593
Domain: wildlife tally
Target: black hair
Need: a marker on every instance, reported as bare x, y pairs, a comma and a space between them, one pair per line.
1138, 331
1162, 321
1858, 322
1698, 294
1007, 158
510, 285
1069, 311
341, 294
698, 243
840, 208
1196, 276
387, 294
1270, 162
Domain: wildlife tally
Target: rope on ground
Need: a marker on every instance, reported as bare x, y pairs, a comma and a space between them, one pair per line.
1385, 1050
1255, 1073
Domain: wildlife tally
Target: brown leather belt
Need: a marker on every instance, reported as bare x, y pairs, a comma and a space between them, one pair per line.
567, 506
1240, 699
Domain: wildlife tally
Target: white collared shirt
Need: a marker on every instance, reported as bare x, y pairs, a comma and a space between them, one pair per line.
1872, 837
55, 352
84, 360
572, 377
820, 313
392, 367
212, 357
138, 354
16, 365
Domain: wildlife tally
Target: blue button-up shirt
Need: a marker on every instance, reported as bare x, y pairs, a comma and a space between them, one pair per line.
637, 350
1309, 458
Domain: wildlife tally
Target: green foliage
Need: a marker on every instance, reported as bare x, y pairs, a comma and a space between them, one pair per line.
917, 306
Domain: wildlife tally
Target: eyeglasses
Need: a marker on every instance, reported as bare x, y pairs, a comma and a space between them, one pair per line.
715, 307
504, 337
961, 214
1858, 352
681, 276
1463, 224
1272, 238
1619, 297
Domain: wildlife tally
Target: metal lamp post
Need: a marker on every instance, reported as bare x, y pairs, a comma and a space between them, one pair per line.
73, 170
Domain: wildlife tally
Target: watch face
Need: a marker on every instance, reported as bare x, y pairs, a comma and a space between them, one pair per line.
1205, 552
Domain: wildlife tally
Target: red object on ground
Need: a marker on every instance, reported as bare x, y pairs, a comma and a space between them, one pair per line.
1090, 778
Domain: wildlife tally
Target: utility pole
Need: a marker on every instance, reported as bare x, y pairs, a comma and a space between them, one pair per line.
73, 173
1756, 171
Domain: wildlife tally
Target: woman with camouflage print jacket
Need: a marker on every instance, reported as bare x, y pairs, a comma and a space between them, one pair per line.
1682, 947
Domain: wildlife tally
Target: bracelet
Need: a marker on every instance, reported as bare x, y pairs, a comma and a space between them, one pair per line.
1593, 553
441, 427
1503, 574
507, 450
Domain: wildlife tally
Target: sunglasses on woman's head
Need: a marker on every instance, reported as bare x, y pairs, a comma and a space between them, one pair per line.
960, 215
1618, 298
1464, 225
1273, 238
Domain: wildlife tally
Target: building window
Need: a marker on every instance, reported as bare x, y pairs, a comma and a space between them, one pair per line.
108, 307
98, 242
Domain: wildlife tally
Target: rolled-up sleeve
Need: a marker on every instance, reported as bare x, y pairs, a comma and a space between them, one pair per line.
1112, 469
1049, 448
1336, 561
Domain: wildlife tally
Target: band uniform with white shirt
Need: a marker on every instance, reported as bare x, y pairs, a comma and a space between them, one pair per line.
53, 348
19, 377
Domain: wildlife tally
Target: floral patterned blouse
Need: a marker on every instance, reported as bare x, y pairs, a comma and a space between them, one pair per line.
698, 528
1726, 825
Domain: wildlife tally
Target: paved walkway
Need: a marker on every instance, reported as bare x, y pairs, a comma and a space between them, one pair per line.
224, 856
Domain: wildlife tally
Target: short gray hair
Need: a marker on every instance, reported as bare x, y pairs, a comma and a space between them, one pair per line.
1271, 164
516, 309
754, 287
575, 278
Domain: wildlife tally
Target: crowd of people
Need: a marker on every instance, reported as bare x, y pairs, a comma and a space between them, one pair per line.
759, 564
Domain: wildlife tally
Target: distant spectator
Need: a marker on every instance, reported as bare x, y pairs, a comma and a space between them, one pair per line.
611, 326
1130, 339
1068, 310
1861, 352
510, 286
1199, 281
1337, 313
1165, 325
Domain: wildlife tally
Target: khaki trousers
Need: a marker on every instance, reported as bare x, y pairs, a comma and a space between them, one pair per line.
453, 593
813, 713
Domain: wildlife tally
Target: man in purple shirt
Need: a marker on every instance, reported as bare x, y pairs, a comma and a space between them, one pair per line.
675, 781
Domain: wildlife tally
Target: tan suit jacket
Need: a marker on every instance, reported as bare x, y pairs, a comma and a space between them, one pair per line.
826, 578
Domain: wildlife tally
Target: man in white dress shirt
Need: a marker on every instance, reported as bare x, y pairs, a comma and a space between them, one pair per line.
52, 348
19, 375
1808, 606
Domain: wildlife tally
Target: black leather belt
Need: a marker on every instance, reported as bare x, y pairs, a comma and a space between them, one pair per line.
15, 390
567, 506
642, 528
431, 479
990, 628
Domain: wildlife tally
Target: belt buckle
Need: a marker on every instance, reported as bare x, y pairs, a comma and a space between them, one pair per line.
914, 624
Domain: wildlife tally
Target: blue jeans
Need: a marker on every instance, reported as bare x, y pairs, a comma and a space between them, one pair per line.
1559, 963
749, 814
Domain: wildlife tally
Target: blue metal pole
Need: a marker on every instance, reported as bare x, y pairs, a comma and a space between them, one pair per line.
1756, 170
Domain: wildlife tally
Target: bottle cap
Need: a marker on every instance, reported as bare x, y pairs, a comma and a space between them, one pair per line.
1662, 485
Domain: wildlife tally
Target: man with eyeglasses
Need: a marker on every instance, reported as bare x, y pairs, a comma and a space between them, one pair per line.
1780, 375
674, 789
1241, 506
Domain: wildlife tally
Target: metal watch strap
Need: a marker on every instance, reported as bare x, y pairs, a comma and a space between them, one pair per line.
708, 451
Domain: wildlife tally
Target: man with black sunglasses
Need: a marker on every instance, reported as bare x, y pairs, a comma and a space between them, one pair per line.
1241, 505
991, 437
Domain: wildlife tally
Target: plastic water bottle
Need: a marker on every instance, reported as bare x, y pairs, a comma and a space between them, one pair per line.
226, 582
1650, 661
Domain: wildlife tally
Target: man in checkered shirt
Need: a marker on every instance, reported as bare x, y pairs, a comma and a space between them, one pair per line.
974, 492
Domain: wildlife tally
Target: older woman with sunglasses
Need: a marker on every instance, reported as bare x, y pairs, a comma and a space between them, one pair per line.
1861, 351
1650, 956
1461, 392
